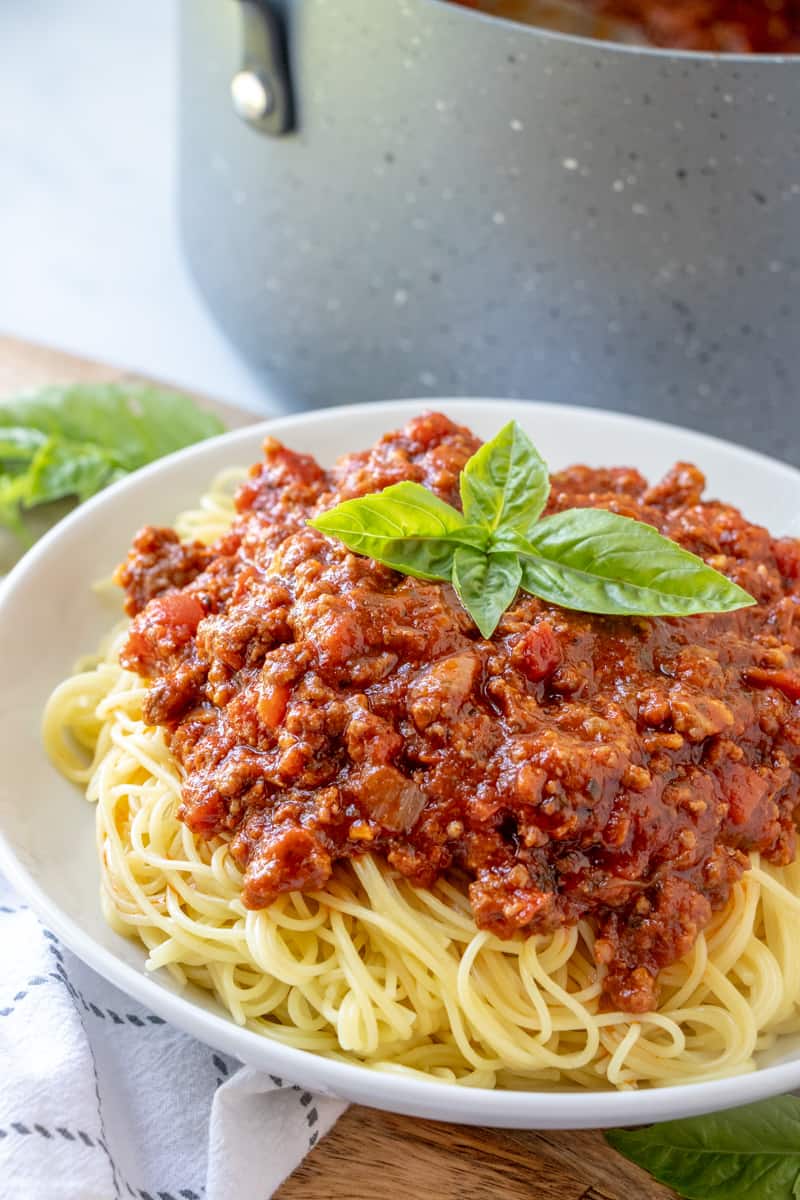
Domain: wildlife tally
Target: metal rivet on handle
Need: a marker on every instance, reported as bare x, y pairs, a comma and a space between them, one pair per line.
252, 95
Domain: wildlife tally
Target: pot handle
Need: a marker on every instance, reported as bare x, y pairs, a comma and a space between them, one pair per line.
261, 89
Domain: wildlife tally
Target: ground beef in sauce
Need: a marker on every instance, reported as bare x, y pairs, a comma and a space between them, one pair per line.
617, 769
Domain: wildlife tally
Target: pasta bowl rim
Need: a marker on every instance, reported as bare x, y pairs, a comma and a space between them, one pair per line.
79, 543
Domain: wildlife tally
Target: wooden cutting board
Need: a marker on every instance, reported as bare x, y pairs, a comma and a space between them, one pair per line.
369, 1154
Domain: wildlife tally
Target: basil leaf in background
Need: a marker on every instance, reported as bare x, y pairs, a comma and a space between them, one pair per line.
486, 584
20, 445
598, 562
65, 442
12, 490
169, 421
134, 423
68, 469
506, 483
750, 1153
405, 527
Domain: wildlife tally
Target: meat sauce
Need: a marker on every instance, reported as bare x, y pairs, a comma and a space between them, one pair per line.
616, 769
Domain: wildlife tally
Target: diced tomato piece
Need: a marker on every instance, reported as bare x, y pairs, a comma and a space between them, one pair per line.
745, 790
787, 682
164, 626
787, 556
272, 703
180, 610
538, 653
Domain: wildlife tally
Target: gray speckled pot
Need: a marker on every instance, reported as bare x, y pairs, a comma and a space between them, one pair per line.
469, 206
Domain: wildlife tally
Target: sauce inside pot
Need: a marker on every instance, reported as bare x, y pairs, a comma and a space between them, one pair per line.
720, 26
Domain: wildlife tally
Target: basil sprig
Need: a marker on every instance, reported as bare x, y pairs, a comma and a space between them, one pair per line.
586, 559
750, 1153
505, 485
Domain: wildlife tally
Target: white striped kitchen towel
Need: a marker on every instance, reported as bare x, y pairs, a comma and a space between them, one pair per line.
101, 1100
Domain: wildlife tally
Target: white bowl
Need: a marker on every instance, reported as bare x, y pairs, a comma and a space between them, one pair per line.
49, 616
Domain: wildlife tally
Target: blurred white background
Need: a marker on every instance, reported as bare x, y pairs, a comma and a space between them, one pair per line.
90, 259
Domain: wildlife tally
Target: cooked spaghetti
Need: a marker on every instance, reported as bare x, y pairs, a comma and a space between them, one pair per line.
369, 966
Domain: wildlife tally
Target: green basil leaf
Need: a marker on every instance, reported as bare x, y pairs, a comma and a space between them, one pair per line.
167, 421
486, 584
20, 445
598, 562
133, 423
506, 483
12, 493
750, 1153
64, 442
63, 468
405, 527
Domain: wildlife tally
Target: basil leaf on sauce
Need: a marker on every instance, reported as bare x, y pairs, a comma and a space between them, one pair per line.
585, 558
596, 561
486, 584
505, 485
750, 1153
405, 527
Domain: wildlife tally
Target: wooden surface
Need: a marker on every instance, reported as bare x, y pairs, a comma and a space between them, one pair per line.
370, 1155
